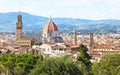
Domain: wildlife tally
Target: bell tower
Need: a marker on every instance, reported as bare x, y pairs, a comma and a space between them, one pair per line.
19, 27
75, 37
91, 44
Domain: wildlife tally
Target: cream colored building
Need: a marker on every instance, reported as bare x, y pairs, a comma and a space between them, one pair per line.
52, 49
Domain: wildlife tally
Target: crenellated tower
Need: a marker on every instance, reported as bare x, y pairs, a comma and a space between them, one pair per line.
19, 27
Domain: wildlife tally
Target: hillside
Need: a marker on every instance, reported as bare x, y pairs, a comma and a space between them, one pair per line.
33, 23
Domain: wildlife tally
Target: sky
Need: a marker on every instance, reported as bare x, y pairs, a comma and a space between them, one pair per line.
84, 9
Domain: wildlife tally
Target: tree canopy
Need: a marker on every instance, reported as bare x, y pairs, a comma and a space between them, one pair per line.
108, 65
14, 64
56, 66
29, 64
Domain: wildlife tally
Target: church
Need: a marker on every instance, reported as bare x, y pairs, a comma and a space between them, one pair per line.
50, 33
52, 43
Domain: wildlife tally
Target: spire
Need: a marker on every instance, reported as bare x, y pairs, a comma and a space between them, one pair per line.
74, 32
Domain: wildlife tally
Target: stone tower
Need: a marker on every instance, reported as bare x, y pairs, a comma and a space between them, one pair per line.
91, 41
75, 37
19, 27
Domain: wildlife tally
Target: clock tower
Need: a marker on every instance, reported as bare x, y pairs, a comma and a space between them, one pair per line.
19, 27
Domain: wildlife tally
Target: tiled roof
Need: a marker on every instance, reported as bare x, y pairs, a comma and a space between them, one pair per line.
59, 46
103, 46
75, 46
50, 27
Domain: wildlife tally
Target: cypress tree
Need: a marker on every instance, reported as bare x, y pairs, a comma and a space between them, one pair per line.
84, 60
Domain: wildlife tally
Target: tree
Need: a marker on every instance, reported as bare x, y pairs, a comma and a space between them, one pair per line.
56, 66
108, 65
14, 64
84, 60
6, 64
24, 63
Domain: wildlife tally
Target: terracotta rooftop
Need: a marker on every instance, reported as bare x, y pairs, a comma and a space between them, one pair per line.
50, 27
75, 46
103, 46
50, 44
94, 53
59, 46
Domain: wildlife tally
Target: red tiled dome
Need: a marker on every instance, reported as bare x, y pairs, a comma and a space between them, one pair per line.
50, 27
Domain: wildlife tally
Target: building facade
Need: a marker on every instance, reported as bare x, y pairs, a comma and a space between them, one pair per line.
19, 39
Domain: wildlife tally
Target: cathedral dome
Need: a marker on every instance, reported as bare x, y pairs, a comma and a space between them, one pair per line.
50, 27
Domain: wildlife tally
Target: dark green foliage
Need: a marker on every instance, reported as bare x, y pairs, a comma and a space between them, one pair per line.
84, 60
84, 56
29, 64
108, 65
56, 66
18, 64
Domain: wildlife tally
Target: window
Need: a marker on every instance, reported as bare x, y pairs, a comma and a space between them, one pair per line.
50, 34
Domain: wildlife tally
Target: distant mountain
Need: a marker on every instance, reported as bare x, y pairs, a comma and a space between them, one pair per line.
33, 23
30, 22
